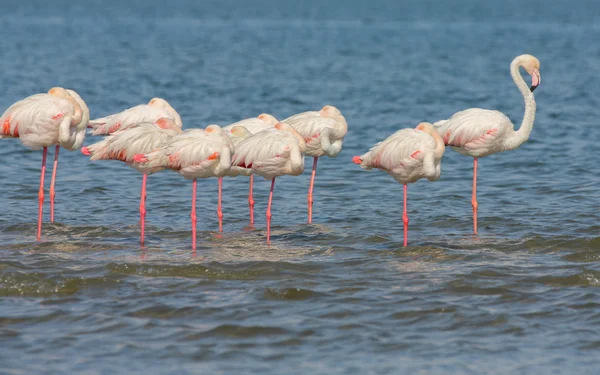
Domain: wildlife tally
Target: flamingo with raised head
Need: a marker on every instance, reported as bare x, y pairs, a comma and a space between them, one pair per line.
407, 155
323, 132
155, 109
43, 120
245, 128
123, 145
479, 132
272, 153
195, 153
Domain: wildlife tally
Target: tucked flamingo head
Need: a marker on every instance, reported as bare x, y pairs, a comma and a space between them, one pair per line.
330, 111
269, 119
62, 93
430, 129
85, 111
287, 128
240, 132
161, 103
532, 66
213, 129
426, 127
158, 102
167, 123
59, 92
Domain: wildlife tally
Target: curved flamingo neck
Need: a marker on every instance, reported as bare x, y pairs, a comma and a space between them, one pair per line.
440, 147
522, 135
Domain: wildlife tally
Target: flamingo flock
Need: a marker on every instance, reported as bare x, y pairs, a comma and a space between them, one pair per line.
149, 137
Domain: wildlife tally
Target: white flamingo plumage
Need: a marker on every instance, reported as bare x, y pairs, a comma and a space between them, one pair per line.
248, 127
195, 153
407, 155
42, 120
272, 153
155, 109
123, 145
481, 132
323, 132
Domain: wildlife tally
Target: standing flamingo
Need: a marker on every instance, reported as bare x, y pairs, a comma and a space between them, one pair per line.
407, 155
155, 109
252, 125
43, 120
123, 145
272, 153
481, 132
195, 153
324, 133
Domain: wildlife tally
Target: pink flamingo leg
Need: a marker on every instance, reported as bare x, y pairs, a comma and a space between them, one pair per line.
474, 198
41, 193
269, 212
52, 193
143, 208
310, 189
251, 200
193, 215
405, 217
219, 207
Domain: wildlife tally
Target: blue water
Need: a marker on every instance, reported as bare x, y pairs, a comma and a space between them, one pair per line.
341, 295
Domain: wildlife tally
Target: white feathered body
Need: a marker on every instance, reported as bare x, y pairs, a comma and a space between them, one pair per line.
407, 155
476, 132
123, 145
270, 153
142, 113
324, 134
41, 120
192, 154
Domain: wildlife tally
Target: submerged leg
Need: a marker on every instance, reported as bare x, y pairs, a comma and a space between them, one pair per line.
251, 200
405, 217
193, 215
52, 193
143, 209
269, 212
219, 207
474, 198
41, 193
310, 189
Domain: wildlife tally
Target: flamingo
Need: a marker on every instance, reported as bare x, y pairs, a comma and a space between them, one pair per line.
124, 144
407, 155
272, 153
323, 132
481, 132
42, 120
252, 126
195, 153
155, 109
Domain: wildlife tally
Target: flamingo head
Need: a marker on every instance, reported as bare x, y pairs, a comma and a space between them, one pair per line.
532, 66
167, 123
163, 104
213, 129
85, 117
288, 128
430, 129
60, 92
158, 103
269, 119
427, 128
330, 111
240, 132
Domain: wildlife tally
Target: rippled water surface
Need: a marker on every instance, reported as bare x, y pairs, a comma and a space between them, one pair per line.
341, 295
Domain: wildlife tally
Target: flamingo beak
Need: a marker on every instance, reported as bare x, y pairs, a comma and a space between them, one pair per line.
536, 79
